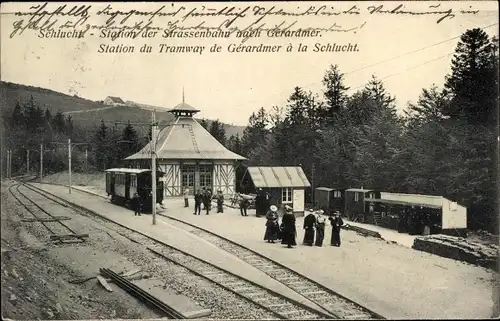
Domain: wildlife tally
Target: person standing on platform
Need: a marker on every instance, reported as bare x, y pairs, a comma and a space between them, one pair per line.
220, 202
244, 203
320, 228
186, 195
309, 224
259, 203
337, 223
272, 225
207, 199
203, 193
289, 229
136, 205
198, 199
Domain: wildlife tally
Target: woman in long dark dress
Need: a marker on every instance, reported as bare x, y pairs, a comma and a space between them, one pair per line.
272, 225
320, 228
289, 230
336, 222
309, 223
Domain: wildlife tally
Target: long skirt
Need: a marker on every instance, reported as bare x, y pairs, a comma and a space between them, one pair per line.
309, 236
335, 241
288, 237
272, 231
320, 234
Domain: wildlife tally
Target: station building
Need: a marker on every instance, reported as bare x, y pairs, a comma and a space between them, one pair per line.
190, 156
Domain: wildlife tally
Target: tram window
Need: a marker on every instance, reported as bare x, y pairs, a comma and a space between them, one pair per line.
356, 197
133, 180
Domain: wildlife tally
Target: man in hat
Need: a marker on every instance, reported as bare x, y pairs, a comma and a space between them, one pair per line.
220, 202
336, 222
259, 202
289, 231
244, 203
136, 204
198, 200
309, 223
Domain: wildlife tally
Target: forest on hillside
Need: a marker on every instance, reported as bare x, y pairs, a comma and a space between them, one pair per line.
444, 144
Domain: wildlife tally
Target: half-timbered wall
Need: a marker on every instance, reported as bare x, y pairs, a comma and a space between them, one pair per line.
225, 178
172, 179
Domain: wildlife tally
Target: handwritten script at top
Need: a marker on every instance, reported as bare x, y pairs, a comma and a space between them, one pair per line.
45, 17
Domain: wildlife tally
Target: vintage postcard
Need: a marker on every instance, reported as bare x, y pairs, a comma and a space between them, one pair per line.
249, 160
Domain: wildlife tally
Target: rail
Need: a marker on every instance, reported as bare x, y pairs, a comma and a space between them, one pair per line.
333, 302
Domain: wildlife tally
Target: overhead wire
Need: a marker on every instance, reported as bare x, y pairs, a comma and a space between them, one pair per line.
373, 64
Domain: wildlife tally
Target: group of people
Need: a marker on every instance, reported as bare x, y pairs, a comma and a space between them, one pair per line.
314, 225
204, 197
286, 232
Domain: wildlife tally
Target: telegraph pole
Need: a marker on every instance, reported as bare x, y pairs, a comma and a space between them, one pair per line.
27, 161
8, 163
312, 184
41, 162
153, 166
69, 163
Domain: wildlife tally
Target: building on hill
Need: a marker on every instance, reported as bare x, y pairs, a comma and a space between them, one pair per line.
190, 156
113, 101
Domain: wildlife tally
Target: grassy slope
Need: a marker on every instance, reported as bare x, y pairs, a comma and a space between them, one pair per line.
55, 102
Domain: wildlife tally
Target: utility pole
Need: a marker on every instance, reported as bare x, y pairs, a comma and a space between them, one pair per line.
153, 166
312, 184
8, 163
41, 162
27, 161
86, 157
69, 163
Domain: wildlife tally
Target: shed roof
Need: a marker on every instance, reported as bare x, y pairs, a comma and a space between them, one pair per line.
186, 139
128, 170
278, 177
409, 203
325, 189
358, 190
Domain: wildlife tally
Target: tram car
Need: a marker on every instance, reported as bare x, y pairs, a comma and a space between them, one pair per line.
329, 200
123, 183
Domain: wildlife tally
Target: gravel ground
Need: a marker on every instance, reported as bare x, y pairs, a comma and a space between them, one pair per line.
39, 287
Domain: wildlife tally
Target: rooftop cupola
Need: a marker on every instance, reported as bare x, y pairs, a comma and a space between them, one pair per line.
183, 109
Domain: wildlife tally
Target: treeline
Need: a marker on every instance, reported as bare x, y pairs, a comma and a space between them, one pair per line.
443, 145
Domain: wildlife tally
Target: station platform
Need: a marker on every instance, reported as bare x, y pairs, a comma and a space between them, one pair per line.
390, 279
169, 234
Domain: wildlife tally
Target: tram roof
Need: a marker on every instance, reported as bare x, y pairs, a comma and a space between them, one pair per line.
128, 170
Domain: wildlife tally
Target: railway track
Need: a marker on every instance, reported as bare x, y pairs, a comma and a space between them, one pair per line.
336, 304
277, 304
59, 231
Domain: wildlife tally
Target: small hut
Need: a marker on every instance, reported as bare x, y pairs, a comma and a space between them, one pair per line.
285, 185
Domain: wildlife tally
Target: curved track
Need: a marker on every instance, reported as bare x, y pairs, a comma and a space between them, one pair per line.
331, 301
52, 223
281, 306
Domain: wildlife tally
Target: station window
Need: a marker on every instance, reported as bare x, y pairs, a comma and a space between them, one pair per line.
336, 194
286, 195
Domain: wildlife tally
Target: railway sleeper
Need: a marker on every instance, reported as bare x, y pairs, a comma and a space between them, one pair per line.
68, 236
244, 289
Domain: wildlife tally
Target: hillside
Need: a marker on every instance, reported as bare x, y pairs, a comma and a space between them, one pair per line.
83, 111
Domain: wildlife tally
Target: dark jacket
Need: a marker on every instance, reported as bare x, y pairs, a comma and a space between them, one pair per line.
198, 198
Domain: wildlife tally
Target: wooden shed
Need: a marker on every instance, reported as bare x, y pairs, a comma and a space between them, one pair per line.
285, 185
329, 199
354, 203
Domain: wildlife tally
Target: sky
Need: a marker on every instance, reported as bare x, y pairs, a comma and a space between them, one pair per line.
408, 52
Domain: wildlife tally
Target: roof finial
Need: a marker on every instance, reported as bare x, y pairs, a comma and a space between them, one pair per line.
183, 94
